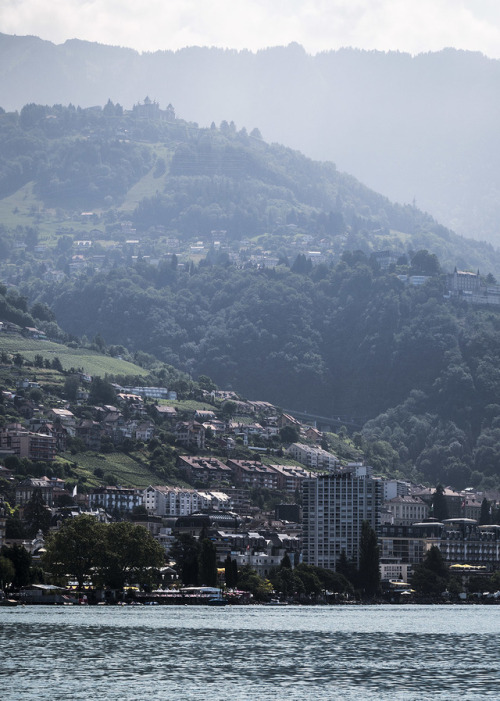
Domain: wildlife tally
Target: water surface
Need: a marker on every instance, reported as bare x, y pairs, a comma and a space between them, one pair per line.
415, 653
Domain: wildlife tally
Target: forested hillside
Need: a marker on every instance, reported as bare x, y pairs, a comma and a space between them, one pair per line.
422, 127
195, 246
419, 372
170, 177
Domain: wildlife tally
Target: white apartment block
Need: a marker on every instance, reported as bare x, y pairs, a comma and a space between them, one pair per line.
313, 457
174, 501
334, 508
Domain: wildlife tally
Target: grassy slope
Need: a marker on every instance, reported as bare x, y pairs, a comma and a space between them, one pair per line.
91, 362
127, 471
148, 184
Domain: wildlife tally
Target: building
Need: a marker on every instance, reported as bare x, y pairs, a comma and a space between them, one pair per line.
15, 440
115, 499
406, 510
461, 542
334, 508
395, 488
206, 470
207, 522
190, 434
175, 501
289, 477
252, 473
149, 392
26, 488
313, 457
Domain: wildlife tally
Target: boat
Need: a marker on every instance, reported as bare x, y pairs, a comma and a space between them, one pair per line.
216, 602
7, 602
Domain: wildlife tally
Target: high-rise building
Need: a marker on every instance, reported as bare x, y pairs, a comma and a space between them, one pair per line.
334, 507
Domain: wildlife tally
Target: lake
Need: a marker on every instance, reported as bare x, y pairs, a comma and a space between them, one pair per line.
415, 653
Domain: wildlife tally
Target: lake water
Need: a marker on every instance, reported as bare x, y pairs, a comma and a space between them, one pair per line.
415, 653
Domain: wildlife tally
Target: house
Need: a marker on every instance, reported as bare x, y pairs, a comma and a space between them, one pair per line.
65, 417
166, 412
312, 434
175, 501
25, 489
288, 420
191, 434
44, 594
144, 431
90, 433
204, 415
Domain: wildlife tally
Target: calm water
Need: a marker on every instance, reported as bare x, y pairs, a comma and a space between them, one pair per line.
238, 653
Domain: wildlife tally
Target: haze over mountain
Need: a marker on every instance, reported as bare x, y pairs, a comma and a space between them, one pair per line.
420, 128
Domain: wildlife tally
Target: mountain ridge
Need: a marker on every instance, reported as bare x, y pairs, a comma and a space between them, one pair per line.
412, 127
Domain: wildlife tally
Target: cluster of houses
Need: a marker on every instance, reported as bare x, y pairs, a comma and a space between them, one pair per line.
335, 497
342, 497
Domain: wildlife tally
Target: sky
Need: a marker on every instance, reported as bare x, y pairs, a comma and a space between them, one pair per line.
413, 26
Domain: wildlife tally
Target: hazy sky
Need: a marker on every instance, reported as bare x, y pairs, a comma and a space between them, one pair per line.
406, 25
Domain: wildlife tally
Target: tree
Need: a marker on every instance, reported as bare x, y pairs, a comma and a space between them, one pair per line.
289, 434
18, 360
21, 561
285, 562
425, 263
369, 570
74, 549
7, 572
230, 572
185, 552
345, 567
485, 515
439, 505
101, 391
56, 364
129, 554
71, 385
37, 516
208, 564
431, 576
250, 581
308, 577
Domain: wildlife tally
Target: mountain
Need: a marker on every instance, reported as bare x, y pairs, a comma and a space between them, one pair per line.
169, 176
195, 245
420, 128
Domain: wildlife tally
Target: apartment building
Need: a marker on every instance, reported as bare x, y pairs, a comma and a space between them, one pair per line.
334, 508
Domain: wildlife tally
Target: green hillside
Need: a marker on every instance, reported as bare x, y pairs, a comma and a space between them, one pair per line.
90, 362
110, 176
126, 470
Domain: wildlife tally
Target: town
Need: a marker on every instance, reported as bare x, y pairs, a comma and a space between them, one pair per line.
250, 504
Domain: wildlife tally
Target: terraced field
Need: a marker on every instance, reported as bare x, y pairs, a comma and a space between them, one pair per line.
91, 362
127, 471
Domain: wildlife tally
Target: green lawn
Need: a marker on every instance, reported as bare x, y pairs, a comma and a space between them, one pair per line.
91, 362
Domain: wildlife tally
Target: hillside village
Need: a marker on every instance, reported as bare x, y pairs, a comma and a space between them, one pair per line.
253, 479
